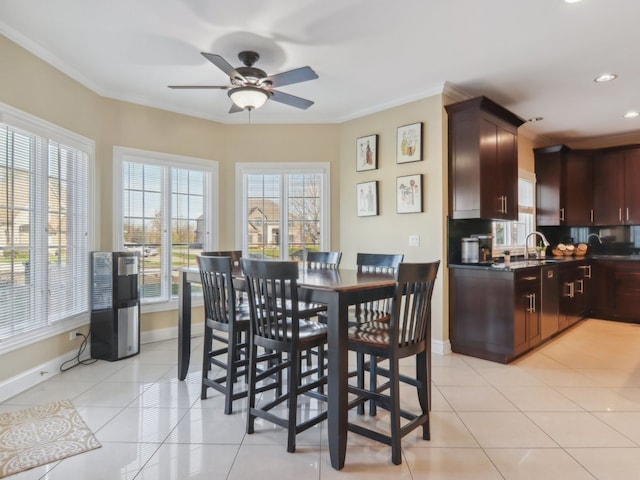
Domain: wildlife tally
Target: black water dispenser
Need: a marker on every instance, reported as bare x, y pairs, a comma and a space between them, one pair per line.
115, 305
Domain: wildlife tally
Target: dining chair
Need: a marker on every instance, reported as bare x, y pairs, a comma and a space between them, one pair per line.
377, 310
223, 314
282, 331
323, 259
406, 334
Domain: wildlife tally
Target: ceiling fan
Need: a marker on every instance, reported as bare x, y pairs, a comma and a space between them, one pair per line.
251, 87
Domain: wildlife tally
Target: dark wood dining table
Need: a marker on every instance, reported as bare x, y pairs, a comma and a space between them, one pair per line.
338, 289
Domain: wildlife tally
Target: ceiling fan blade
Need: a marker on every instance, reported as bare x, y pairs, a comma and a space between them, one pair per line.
235, 108
223, 65
217, 87
290, 100
297, 75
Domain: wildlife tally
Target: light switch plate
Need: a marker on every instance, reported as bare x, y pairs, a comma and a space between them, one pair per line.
414, 240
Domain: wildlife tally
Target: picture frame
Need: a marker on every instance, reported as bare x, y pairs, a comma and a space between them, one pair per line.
409, 194
367, 153
409, 143
367, 198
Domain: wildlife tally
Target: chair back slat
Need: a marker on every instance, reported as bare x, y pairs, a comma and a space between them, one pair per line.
217, 288
411, 309
377, 263
324, 259
269, 285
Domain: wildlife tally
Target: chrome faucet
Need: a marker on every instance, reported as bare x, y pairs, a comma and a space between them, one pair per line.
594, 235
526, 241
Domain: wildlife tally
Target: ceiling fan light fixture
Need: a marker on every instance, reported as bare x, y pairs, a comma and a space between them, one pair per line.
248, 97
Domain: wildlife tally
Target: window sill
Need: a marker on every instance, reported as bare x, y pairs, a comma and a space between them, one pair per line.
196, 301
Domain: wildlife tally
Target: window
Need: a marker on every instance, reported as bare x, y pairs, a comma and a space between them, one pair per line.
271, 193
511, 235
165, 206
45, 236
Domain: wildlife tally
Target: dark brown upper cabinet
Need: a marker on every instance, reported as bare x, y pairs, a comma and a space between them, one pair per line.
483, 160
616, 196
564, 186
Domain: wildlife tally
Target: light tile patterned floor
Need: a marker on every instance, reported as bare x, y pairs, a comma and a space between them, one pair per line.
570, 410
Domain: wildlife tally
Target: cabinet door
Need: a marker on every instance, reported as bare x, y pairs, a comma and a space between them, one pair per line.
602, 288
507, 167
548, 185
627, 291
526, 314
577, 195
608, 188
631, 190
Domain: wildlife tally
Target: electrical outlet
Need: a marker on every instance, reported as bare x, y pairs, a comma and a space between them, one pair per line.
72, 335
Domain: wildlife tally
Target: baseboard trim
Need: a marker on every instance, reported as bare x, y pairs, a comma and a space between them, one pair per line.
38, 374
161, 334
441, 347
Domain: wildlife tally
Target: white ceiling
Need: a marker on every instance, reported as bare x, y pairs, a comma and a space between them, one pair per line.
538, 58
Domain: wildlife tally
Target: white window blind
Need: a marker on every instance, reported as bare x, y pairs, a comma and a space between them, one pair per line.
44, 238
511, 235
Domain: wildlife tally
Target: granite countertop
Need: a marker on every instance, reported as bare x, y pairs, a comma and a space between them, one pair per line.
535, 262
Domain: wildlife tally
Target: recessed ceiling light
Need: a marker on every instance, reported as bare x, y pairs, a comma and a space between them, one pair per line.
572, 1
535, 119
632, 114
605, 77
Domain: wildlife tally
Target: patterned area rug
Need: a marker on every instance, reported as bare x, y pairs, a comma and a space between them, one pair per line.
42, 434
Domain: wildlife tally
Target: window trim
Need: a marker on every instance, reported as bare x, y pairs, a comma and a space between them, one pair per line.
32, 124
122, 154
280, 168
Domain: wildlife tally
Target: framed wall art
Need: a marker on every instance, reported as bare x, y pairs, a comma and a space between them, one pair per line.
367, 153
409, 143
409, 194
367, 198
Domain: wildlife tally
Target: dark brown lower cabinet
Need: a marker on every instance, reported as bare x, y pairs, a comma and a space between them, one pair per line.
616, 290
575, 284
494, 315
498, 315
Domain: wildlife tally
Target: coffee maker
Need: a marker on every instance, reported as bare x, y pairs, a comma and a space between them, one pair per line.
477, 248
485, 247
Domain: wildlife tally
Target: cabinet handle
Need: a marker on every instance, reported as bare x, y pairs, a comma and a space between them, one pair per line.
620, 214
506, 205
580, 285
530, 278
571, 286
586, 270
592, 215
532, 303
562, 214
627, 214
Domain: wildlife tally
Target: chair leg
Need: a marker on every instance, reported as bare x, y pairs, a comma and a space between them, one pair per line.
423, 391
321, 367
360, 378
373, 384
251, 394
394, 392
292, 381
206, 360
232, 368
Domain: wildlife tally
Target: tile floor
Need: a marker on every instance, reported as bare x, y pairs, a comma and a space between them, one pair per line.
570, 410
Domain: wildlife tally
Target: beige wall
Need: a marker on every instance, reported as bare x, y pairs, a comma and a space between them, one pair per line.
388, 232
